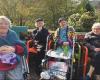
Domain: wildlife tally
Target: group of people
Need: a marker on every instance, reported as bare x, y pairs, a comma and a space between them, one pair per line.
12, 48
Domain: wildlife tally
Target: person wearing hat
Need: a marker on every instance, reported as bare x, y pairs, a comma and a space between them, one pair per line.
62, 34
39, 36
92, 39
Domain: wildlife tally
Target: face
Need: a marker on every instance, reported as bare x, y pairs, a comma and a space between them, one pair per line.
4, 27
63, 23
39, 24
96, 31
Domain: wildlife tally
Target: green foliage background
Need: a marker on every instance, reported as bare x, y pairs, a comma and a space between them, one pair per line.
80, 14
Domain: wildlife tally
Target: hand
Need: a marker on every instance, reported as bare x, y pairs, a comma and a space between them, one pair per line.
7, 49
65, 43
97, 49
2, 48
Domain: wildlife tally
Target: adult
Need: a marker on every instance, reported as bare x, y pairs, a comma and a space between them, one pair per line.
64, 35
11, 51
39, 36
93, 43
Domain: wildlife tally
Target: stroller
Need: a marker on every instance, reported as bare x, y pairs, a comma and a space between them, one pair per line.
57, 65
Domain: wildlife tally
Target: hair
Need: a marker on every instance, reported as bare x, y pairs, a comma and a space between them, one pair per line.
6, 19
61, 19
39, 19
96, 25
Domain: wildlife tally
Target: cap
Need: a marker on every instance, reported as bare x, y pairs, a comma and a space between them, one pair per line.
61, 19
39, 19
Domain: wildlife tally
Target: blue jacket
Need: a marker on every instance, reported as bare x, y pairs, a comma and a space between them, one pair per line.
12, 39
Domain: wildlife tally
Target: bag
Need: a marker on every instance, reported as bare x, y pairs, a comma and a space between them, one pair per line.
10, 58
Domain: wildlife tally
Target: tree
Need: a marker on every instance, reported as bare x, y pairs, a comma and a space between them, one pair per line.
58, 8
98, 15
85, 6
24, 12
87, 19
73, 20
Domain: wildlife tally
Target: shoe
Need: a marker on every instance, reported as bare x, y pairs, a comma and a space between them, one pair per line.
88, 77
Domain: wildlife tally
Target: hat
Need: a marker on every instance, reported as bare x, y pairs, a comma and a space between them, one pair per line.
61, 19
39, 19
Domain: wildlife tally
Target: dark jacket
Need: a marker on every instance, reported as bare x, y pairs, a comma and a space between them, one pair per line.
92, 41
41, 38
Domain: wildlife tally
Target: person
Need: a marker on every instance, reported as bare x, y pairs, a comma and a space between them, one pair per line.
64, 36
39, 36
11, 51
92, 39
63, 45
